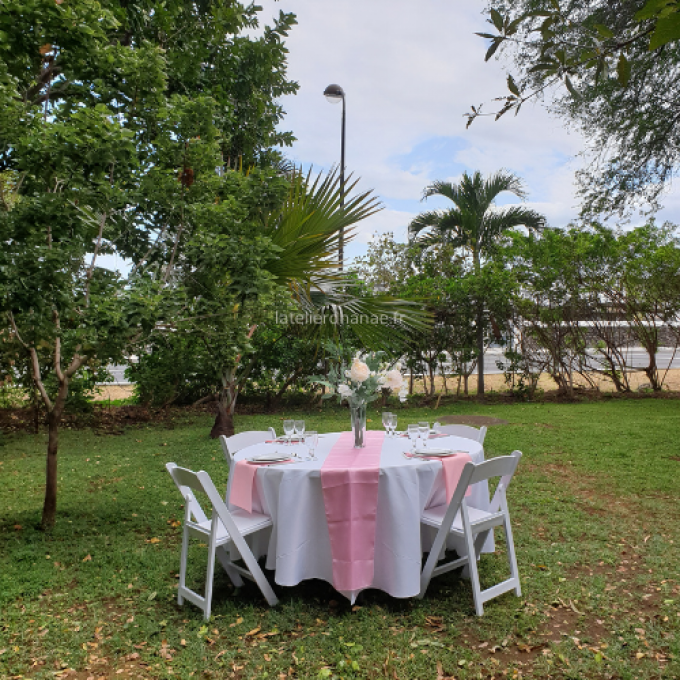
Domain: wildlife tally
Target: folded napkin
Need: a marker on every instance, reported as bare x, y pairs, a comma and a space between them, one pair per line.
452, 468
243, 483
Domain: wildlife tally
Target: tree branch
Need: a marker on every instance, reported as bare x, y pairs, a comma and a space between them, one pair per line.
97, 246
57, 347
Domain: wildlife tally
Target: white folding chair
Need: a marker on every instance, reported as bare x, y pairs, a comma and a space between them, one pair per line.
231, 445
474, 525
224, 530
466, 431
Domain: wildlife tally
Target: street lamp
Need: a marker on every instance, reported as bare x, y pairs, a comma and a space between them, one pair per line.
335, 94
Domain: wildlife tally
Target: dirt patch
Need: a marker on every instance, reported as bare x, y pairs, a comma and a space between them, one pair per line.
476, 421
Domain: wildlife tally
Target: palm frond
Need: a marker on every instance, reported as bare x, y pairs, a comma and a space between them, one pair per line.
500, 220
309, 226
498, 183
380, 322
425, 220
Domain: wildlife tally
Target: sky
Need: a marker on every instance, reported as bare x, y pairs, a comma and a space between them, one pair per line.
411, 69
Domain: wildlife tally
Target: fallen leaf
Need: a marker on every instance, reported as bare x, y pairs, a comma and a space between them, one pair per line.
87, 558
254, 631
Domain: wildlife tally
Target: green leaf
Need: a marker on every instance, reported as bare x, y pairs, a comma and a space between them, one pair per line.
497, 19
623, 70
571, 88
604, 31
492, 50
667, 30
652, 9
512, 86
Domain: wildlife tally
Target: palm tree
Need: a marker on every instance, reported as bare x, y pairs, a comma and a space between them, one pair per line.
475, 224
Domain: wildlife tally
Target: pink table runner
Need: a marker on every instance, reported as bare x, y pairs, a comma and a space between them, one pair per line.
349, 479
452, 467
242, 484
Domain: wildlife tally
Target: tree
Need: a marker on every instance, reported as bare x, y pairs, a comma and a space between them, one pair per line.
611, 69
587, 295
246, 260
113, 119
476, 225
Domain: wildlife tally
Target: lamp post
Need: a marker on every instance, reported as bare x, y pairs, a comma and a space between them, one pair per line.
335, 94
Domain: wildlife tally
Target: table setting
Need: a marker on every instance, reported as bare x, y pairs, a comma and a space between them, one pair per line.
346, 506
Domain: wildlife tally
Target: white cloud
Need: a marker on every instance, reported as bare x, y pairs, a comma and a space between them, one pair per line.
410, 71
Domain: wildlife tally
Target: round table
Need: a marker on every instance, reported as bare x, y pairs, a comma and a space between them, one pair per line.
298, 547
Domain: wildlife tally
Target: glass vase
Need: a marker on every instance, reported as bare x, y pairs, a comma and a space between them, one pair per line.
358, 412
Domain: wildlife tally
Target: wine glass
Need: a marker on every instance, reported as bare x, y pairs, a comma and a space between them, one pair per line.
312, 441
424, 430
386, 416
393, 424
300, 427
413, 434
288, 429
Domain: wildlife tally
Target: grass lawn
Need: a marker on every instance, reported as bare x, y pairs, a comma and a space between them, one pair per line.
597, 528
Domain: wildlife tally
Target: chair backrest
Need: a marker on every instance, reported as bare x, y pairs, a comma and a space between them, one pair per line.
189, 483
464, 431
503, 467
233, 444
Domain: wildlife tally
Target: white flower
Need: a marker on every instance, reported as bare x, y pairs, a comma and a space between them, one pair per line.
398, 366
394, 380
359, 371
345, 390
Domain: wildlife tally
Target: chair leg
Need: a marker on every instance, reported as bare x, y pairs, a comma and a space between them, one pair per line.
223, 557
183, 566
258, 575
512, 558
472, 564
209, 577
437, 549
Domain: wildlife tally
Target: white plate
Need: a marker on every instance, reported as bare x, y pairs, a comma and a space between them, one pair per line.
440, 453
269, 458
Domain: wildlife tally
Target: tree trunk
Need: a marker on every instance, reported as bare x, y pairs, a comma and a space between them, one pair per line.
49, 513
224, 422
479, 329
480, 349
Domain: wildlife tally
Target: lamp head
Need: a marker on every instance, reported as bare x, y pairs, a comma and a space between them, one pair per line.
334, 94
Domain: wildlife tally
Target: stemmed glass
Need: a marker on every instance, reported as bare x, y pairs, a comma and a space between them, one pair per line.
424, 430
312, 441
288, 429
413, 433
300, 428
386, 420
393, 424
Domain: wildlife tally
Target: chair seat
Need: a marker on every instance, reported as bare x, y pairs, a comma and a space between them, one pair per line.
247, 523
435, 516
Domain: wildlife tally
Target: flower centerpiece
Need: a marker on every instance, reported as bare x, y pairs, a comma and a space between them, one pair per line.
360, 384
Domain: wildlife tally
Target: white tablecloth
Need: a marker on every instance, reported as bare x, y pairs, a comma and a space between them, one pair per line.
299, 545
